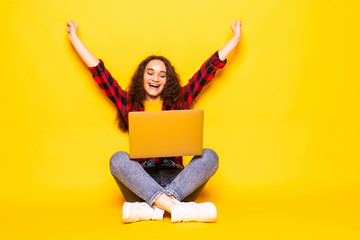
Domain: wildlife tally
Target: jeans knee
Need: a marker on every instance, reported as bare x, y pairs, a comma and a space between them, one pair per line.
211, 157
118, 161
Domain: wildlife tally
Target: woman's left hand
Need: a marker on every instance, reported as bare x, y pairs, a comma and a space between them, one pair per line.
236, 29
233, 42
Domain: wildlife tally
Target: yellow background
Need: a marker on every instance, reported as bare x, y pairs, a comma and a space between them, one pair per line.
283, 116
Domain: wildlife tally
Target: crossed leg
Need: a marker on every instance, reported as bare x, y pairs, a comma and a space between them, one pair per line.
132, 178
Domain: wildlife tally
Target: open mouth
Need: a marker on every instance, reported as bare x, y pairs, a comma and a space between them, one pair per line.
154, 85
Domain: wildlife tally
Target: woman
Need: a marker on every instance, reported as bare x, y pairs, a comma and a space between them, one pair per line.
163, 183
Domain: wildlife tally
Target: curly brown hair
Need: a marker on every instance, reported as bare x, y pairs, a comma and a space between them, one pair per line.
171, 94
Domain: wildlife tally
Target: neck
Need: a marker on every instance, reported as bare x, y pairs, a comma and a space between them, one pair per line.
149, 98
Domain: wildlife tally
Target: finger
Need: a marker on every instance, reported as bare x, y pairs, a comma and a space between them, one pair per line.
238, 25
70, 24
73, 24
232, 26
68, 27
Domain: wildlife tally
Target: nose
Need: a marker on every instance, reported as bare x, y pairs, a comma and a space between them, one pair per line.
156, 78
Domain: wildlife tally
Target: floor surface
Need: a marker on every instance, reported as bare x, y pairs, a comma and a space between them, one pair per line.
250, 216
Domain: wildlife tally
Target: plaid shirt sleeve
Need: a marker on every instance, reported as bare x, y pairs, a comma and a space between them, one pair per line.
110, 86
202, 77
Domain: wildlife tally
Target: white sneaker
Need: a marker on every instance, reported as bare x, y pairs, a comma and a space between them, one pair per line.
137, 211
193, 212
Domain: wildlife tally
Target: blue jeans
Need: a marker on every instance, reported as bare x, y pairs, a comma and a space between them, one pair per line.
146, 181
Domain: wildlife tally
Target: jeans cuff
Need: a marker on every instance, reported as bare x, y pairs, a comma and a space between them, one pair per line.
173, 193
154, 197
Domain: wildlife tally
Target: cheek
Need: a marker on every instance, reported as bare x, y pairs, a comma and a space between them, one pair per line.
145, 81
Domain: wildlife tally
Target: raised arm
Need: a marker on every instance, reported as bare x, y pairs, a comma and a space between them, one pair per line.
89, 59
100, 74
233, 42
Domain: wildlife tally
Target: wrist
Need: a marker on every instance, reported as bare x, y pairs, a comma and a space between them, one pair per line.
73, 37
237, 38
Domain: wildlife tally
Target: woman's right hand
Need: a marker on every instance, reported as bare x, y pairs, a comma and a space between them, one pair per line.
72, 29
85, 54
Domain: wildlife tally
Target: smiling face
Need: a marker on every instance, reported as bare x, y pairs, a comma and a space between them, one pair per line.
154, 79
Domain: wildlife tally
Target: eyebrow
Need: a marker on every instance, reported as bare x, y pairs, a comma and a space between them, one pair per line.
154, 70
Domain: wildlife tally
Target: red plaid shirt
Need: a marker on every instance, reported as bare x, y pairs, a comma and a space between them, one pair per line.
121, 98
